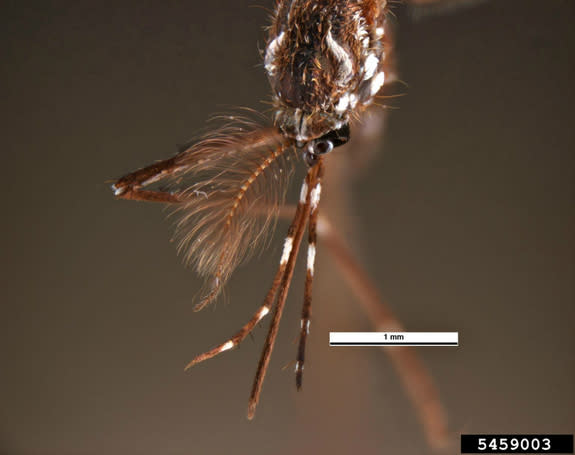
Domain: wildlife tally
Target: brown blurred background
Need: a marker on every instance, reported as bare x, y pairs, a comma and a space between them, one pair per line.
465, 221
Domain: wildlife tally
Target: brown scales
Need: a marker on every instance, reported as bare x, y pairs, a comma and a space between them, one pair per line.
227, 188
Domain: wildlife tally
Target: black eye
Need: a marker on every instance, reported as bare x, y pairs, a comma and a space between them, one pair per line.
325, 144
316, 148
337, 137
322, 146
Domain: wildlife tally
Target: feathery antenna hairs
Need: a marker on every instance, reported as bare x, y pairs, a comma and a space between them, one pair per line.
219, 186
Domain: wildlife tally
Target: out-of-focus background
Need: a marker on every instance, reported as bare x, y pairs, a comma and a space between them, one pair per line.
464, 220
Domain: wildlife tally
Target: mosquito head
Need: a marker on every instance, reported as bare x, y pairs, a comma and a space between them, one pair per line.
324, 144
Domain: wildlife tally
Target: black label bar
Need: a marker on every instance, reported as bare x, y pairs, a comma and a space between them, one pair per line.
516, 443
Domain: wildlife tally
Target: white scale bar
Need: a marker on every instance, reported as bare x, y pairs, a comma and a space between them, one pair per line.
394, 338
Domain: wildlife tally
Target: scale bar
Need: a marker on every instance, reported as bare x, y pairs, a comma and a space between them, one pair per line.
394, 338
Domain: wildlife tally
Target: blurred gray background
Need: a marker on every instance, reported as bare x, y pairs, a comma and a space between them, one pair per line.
464, 220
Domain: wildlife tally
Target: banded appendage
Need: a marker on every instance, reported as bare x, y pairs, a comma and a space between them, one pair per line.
306, 212
217, 187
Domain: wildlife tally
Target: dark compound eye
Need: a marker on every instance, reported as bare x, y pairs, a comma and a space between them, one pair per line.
321, 146
326, 144
337, 137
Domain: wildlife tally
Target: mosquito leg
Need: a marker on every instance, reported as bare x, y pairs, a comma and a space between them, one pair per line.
414, 376
306, 309
263, 310
247, 328
291, 248
130, 186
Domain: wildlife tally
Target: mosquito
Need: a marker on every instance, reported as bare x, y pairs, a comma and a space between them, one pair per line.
326, 61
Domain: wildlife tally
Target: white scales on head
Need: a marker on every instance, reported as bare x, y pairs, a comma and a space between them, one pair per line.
326, 61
